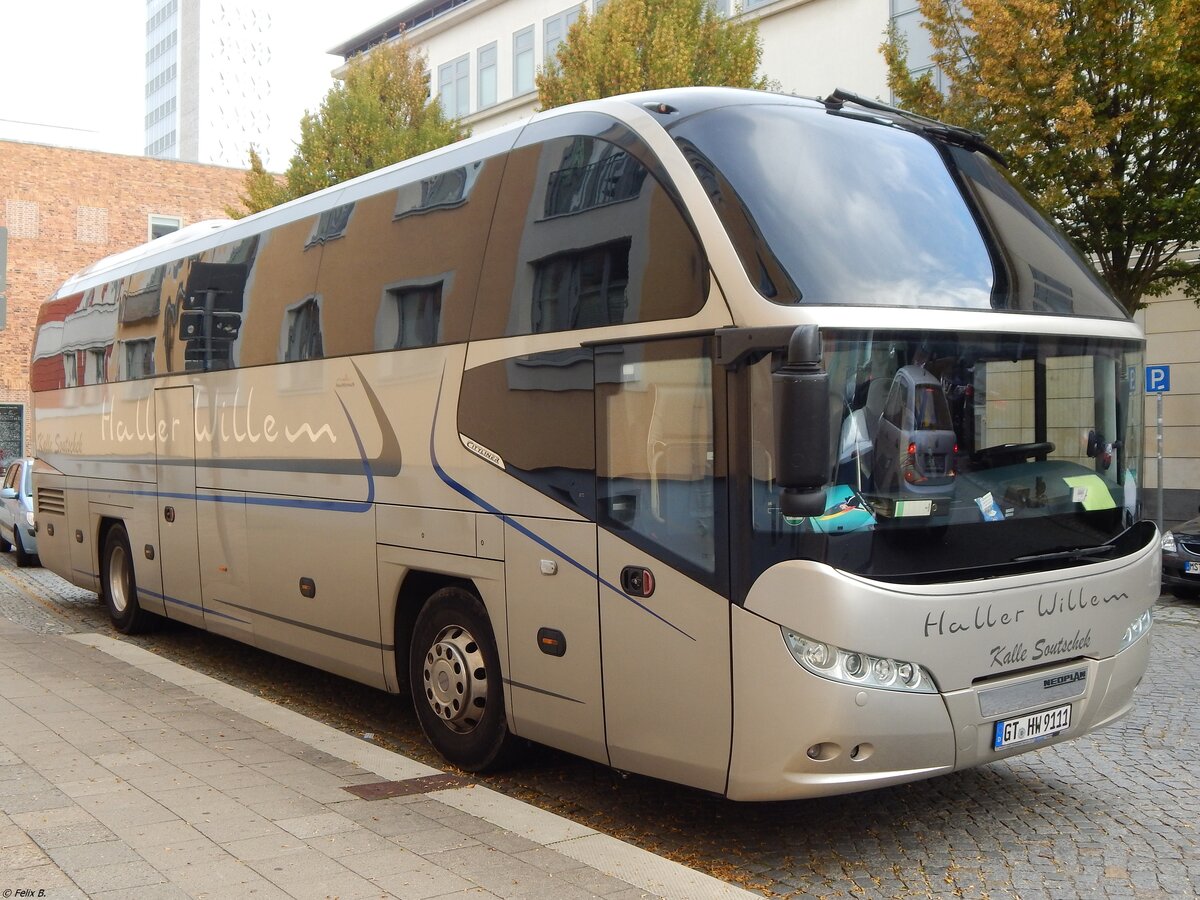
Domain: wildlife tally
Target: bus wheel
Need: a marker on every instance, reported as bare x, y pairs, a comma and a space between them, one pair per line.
454, 676
118, 588
24, 558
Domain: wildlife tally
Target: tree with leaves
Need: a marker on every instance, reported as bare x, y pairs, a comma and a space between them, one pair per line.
636, 45
378, 114
1094, 104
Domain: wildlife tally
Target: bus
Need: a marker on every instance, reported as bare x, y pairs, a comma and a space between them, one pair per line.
771, 446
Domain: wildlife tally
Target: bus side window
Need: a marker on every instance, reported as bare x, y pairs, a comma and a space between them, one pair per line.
536, 413
586, 236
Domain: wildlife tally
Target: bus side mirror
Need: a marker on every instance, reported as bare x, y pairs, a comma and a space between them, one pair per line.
802, 425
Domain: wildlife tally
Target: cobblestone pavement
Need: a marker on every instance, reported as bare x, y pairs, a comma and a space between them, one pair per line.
1113, 814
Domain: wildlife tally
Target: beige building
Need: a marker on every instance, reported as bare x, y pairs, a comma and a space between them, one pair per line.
1172, 326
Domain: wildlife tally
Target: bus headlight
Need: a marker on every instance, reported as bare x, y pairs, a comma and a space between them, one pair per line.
1136, 629
853, 667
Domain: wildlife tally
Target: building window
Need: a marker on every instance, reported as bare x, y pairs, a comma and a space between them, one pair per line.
418, 310
581, 289
907, 19
554, 31
157, 226
454, 86
523, 61
138, 358
303, 339
487, 75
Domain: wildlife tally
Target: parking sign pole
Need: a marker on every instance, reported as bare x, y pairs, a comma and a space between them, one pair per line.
1160, 462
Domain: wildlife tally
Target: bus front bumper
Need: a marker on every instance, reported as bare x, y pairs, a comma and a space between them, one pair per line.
797, 735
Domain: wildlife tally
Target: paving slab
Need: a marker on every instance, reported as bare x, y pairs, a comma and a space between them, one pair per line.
130, 776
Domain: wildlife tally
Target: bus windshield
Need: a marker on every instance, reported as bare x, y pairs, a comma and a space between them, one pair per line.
993, 453
827, 209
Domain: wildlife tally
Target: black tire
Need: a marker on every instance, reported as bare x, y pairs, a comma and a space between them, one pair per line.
5, 544
24, 559
118, 587
454, 678
1186, 593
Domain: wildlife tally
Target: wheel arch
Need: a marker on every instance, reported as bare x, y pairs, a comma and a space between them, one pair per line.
415, 591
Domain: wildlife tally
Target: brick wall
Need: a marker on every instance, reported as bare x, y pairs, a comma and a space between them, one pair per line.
65, 209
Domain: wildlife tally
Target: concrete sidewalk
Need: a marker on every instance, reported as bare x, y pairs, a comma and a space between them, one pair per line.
125, 775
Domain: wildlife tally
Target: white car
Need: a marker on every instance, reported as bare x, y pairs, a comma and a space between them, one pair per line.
17, 528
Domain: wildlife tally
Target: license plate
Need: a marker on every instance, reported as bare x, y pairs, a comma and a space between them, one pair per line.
1023, 729
1192, 568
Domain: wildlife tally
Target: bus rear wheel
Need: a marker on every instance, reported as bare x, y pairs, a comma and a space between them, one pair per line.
118, 587
454, 677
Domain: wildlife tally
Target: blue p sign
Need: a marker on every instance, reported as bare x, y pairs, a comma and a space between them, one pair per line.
1158, 379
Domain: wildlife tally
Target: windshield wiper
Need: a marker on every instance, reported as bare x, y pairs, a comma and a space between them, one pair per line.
1082, 554
910, 121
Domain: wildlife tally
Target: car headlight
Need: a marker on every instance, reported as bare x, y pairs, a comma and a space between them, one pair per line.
29, 519
854, 667
1169, 542
1137, 628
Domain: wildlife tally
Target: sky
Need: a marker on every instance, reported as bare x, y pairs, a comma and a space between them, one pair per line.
72, 72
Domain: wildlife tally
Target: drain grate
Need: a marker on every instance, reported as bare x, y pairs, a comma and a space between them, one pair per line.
382, 790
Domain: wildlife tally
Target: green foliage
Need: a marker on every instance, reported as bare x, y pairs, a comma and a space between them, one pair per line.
635, 45
377, 115
263, 190
1094, 104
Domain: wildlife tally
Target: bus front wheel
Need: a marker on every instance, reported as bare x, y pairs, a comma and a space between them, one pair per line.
454, 676
118, 587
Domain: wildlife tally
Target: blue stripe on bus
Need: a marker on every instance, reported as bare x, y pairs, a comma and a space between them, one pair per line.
488, 507
204, 609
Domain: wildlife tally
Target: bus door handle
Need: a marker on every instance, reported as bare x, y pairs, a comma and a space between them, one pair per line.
637, 581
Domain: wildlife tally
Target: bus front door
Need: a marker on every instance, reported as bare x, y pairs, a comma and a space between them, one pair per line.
554, 634
178, 548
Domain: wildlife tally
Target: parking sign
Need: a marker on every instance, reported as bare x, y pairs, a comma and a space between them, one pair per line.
1158, 379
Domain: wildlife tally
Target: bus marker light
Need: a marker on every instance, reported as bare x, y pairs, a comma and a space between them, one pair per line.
552, 642
308, 588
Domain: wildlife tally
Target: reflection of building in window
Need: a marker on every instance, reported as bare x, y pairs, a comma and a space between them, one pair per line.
331, 224
141, 300
93, 369
138, 358
70, 369
581, 289
444, 190
593, 173
418, 313
304, 331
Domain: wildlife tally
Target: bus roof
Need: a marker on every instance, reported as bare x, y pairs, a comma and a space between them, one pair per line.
674, 103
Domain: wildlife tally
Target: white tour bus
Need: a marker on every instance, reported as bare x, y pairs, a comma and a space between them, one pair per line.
772, 446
